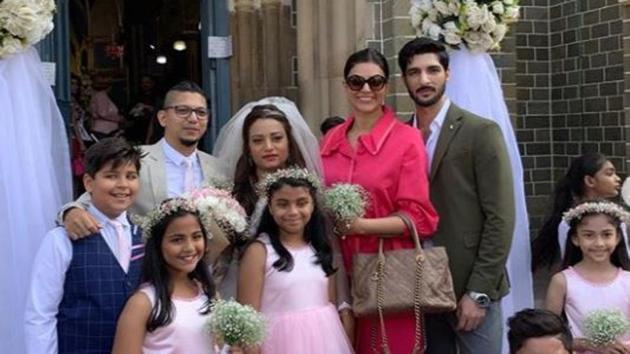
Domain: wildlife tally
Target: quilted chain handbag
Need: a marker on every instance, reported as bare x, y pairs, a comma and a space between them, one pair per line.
402, 280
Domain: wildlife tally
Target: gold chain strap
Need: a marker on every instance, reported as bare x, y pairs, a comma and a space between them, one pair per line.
419, 331
380, 299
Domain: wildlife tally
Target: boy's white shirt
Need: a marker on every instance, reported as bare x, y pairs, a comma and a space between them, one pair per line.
47, 281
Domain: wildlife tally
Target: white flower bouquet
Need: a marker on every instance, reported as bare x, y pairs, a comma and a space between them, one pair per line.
225, 210
603, 327
346, 202
24, 23
236, 325
480, 25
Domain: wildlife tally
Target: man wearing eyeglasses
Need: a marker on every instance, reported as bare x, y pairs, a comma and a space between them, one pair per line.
471, 188
171, 167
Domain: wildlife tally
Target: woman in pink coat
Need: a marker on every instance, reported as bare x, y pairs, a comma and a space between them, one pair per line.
387, 158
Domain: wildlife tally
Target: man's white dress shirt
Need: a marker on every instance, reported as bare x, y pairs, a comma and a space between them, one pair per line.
435, 127
176, 170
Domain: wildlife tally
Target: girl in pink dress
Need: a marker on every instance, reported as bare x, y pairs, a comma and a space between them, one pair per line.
169, 311
595, 275
287, 272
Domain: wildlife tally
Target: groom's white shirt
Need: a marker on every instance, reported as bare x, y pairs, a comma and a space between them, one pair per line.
175, 169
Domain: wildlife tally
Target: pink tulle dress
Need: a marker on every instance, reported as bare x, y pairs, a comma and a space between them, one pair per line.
584, 297
300, 317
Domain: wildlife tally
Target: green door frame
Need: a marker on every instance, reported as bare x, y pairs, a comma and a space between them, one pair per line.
215, 21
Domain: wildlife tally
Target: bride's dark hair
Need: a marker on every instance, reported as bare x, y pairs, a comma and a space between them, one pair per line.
244, 190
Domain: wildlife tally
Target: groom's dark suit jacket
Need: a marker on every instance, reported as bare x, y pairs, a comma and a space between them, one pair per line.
471, 188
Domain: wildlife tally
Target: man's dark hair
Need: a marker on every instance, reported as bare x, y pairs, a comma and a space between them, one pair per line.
330, 123
421, 45
184, 86
115, 150
536, 323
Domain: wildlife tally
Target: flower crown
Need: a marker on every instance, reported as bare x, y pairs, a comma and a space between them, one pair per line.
170, 207
601, 207
291, 172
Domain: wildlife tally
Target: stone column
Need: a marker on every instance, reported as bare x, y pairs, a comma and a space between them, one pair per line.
342, 44
244, 48
307, 40
270, 46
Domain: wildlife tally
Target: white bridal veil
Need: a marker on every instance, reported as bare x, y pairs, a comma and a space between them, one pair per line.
35, 182
475, 86
228, 147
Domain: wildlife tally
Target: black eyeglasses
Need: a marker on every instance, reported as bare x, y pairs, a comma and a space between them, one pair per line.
356, 82
186, 111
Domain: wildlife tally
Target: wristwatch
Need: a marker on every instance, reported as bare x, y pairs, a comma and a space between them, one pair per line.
482, 300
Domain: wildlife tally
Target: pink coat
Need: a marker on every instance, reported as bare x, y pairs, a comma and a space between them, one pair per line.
391, 164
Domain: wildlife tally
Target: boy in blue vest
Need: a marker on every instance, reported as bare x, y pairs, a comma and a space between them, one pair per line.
78, 288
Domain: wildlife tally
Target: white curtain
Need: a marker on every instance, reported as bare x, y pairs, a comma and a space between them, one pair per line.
475, 86
35, 181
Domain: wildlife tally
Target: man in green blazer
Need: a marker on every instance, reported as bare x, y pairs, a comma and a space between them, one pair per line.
471, 188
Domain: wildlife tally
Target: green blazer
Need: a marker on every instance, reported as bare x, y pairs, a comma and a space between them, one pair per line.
471, 188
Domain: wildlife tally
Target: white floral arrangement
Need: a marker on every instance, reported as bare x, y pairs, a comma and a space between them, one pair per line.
290, 173
346, 201
224, 209
603, 327
480, 25
24, 23
596, 207
236, 325
167, 208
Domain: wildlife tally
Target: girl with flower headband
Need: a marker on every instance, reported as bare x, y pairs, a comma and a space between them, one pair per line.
595, 275
287, 271
590, 175
262, 137
169, 311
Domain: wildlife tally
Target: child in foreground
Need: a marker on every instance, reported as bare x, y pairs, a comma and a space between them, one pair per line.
595, 274
287, 272
78, 288
168, 314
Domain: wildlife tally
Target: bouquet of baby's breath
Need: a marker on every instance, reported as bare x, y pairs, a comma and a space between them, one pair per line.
235, 324
346, 201
603, 327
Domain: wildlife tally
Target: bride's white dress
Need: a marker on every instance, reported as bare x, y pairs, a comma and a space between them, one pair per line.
35, 181
475, 86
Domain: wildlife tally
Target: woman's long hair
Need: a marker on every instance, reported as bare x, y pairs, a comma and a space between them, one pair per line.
315, 232
573, 255
569, 190
244, 190
155, 272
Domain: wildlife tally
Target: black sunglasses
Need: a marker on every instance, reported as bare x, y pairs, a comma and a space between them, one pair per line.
356, 82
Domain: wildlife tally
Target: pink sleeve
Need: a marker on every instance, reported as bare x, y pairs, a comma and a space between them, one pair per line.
412, 195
